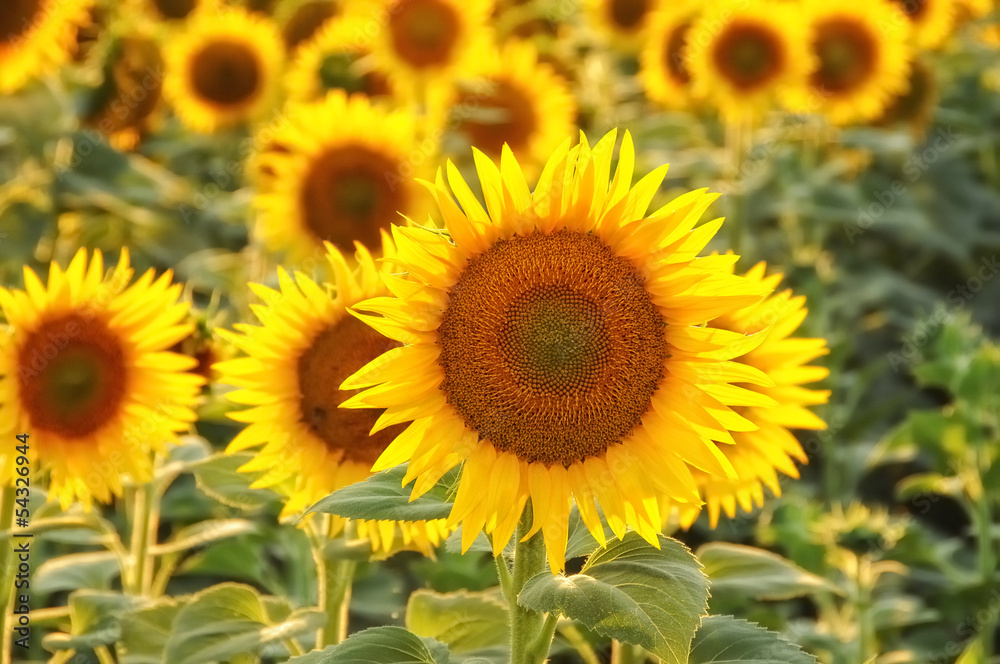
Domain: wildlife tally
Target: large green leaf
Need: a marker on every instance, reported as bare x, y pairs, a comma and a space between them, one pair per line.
633, 592
77, 570
380, 645
219, 477
228, 620
95, 617
466, 621
383, 496
144, 632
745, 571
727, 640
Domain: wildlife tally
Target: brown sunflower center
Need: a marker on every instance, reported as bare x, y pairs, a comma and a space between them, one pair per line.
306, 20
917, 103
847, 55
914, 9
175, 9
424, 33
17, 18
335, 354
504, 116
551, 347
72, 376
226, 73
341, 71
628, 14
674, 52
748, 55
349, 194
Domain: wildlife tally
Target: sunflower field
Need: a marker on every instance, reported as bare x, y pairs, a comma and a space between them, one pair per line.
380, 332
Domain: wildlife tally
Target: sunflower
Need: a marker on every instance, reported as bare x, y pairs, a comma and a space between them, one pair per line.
861, 61
335, 59
552, 344
511, 98
222, 69
916, 103
84, 368
306, 346
742, 52
301, 20
623, 22
932, 21
426, 41
760, 454
346, 170
36, 37
663, 63
175, 10
131, 92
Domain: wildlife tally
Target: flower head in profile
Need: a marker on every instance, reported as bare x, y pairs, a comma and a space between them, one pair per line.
555, 342
85, 370
295, 360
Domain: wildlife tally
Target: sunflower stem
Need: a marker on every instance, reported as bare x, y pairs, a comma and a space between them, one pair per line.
626, 653
145, 523
6, 572
334, 577
530, 631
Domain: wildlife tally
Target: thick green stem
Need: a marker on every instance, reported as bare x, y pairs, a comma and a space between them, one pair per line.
987, 555
334, 577
530, 631
6, 572
145, 523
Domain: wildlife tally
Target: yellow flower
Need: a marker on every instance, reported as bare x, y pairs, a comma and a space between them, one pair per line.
335, 59
624, 22
37, 37
861, 57
553, 345
664, 72
742, 52
222, 69
512, 98
301, 20
306, 345
86, 373
173, 10
341, 171
915, 104
758, 455
932, 20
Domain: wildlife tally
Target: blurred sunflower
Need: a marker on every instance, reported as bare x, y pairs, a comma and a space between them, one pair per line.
861, 57
345, 174
306, 346
551, 346
335, 59
915, 105
758, 455
514, 100
624, 22
301, 20
222, 69
426, 41
174, 10
741, 53
131, 92
664, 72
36, 37
932, 21
84, 367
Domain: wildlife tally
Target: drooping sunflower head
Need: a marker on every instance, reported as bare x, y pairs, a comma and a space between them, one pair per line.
554, 342
306, 345
426, 41
769, 448
664, 72
932, 21
741, 54
223, 69
84, 368
36, 37
335, 59
346, 172
861, 57
624, 22
511, 98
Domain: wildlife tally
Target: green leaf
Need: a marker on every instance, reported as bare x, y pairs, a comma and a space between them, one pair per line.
727, 640
464, 620
218, 476
95, 618
203, 533
580, 542
228, 620
745, 571
77, 570
144, 632
633, 592
380, 645
383, 496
